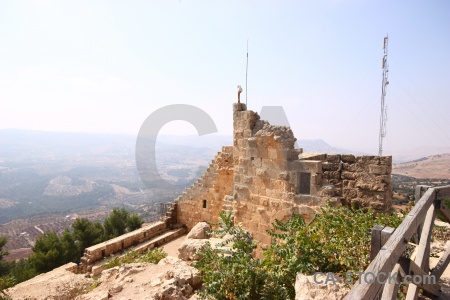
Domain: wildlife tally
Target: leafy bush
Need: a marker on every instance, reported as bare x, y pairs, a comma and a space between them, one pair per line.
336, 240
235, 276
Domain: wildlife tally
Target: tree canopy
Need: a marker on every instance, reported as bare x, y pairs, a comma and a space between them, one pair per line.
52, 250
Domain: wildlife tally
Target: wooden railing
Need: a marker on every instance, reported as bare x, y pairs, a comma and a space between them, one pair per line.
388, 247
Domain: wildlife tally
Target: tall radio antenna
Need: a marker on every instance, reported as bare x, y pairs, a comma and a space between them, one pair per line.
246, 73
385, 82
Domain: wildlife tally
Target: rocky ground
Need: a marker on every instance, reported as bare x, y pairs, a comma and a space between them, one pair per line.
171, 278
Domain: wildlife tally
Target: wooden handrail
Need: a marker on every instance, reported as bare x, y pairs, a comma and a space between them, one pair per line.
420, 219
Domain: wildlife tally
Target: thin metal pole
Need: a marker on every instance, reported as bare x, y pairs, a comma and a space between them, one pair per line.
246, 74
385, 82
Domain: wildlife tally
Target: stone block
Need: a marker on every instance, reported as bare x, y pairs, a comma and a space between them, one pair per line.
241, 188
260, 172
251, 142
279, 185
352, 167
378, 205
228, 198
262, 191
96, 270
378, 169
349, 193
333, 158
348, 158
286, 204
327, 166
242, 143
254, 198
379, 187
241, 169
364, 186
244, 160
348, 183
348, 175
266, 163
367, 159
311, 166
238, 107
331, 175
248, 133
316, 179
314, 190
264, 201
256, 162
274, 203
327, 191
248, 179
383, 179
313, 156
386, 160
272, 153
261, 210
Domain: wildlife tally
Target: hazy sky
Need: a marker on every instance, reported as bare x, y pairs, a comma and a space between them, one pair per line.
104, 66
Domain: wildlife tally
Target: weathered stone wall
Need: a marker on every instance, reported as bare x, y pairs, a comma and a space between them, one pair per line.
98, 252
204, 200
359, 181
262, 177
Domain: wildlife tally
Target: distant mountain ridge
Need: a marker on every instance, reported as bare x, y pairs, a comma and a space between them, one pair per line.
434, 166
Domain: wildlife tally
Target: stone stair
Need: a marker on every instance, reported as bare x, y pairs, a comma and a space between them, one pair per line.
161, 239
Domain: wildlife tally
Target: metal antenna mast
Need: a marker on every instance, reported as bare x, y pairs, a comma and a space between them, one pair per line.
385, 82
246, 72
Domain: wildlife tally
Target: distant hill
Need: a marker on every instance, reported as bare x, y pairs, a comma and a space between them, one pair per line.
318, 145
434, 166
406, 155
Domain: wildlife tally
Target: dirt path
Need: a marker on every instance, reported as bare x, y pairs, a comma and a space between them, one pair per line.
171, 248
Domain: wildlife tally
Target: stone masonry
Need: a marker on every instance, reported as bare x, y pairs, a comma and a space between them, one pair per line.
262, 177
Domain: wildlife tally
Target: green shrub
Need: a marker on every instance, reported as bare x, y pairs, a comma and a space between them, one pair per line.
336, 240
235, 276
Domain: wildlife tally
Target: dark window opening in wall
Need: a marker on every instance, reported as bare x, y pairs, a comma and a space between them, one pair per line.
252, 158
204, 203
103, 253
305, 183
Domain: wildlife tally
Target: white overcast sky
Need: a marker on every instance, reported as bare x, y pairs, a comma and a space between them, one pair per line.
104, 66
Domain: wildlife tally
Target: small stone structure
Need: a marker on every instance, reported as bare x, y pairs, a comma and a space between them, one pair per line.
147, 237
262, 177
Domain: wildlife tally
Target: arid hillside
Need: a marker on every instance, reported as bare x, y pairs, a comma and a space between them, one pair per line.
434, 166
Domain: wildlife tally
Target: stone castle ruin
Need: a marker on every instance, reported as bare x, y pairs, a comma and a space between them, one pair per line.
260, 178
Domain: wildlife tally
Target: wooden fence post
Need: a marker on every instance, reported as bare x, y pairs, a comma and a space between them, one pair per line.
380, 235
420, 190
